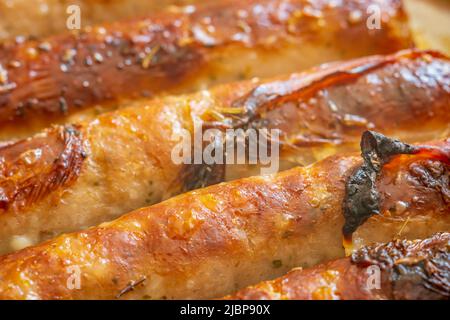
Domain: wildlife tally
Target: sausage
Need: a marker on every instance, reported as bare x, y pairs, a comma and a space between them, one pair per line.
178, 51
398, 270
211, 242
123, 160
38, 18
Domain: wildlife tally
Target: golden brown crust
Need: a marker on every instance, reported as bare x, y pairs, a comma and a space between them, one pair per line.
38, 18
138, 141
408, 270
177, 248
33, 168
178, 51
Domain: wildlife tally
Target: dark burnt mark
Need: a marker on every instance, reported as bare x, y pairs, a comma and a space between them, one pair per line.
415, 269
33, 168
130, 287
362, 199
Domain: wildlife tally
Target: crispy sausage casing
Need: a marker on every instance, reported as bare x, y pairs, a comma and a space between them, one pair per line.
179, 51
37, 18
123, 160
213, 241
398, 270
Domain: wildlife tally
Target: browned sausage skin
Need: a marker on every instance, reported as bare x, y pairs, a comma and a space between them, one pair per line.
213, 241
122, 160
408, 270
38, 18
51, 161
178, 51
326, 110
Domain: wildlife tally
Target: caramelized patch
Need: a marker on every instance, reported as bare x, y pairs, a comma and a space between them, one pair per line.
421, 187
267, 97
33, 168
418, 268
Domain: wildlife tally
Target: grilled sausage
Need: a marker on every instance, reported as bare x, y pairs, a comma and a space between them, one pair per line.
213, 241
179, 51
123, 160
398, 270
38, 18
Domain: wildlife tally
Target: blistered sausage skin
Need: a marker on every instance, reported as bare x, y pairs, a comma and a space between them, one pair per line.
398, 270
123, 160
38, 18
178, 51
213, 241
